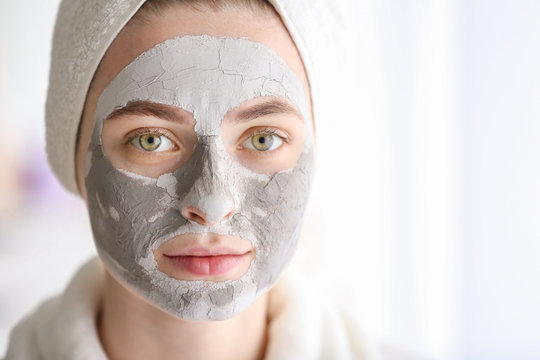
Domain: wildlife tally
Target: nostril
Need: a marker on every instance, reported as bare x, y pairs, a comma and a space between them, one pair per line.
194, 215
229, 214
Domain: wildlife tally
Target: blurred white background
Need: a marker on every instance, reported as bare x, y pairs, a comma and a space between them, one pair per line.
428, 181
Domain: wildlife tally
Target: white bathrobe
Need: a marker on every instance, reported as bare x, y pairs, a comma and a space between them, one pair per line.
302, 325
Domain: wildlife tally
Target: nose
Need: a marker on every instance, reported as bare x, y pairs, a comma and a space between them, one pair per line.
210, 211
209, 201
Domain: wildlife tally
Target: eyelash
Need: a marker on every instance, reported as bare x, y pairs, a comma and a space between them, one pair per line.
270, 131
139, 132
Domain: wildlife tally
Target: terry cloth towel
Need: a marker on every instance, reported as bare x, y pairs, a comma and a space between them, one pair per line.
85, 29
301, 325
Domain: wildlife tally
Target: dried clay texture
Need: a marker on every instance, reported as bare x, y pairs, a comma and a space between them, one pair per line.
131, 214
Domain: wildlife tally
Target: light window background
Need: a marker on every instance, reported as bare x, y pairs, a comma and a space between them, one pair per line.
428, 188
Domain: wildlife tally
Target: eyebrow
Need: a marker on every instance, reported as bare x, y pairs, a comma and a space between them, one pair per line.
270, 107
147, 108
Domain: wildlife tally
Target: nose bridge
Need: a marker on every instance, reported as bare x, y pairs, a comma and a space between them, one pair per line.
213, 176
210, 196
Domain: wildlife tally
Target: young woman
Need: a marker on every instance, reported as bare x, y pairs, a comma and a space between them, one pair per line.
194, 153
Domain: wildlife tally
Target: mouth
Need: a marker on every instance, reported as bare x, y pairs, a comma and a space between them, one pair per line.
204, 257
211, 265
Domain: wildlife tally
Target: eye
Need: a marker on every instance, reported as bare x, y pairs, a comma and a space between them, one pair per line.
152, 142
263, 141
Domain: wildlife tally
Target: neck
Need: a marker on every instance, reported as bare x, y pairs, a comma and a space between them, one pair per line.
131, 328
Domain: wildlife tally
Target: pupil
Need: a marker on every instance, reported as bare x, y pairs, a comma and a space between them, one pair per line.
150, 140
262, 140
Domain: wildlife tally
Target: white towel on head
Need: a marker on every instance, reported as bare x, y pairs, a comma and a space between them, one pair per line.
85, 29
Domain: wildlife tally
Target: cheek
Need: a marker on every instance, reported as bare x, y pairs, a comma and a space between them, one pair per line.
276, 210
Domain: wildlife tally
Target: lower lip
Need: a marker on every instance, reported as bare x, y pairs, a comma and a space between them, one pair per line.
208, 265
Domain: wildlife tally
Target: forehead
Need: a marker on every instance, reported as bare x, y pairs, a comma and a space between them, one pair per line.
236, 22
206, 76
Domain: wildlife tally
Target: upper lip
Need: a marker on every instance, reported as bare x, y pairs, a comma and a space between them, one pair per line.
208, 244
205, 251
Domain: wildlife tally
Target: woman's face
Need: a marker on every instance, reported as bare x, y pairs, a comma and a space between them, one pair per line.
196, 172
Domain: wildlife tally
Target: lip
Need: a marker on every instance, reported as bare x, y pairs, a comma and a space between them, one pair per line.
206, 256
205, 251
211, 265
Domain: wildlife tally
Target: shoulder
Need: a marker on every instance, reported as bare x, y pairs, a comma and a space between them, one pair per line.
306, 324
23, 340
310, 321
63, 327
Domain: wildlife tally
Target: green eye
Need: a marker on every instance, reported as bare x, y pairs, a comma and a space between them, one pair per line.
152, 142
263, 142
149, 142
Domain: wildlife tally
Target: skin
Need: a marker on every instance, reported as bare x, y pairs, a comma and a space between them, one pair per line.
128, 326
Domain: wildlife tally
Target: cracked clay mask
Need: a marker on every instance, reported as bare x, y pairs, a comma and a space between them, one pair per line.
132, 215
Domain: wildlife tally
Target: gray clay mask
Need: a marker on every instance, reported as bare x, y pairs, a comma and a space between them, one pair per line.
132, 215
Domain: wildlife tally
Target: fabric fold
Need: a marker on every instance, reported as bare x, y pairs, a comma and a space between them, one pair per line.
300, 325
